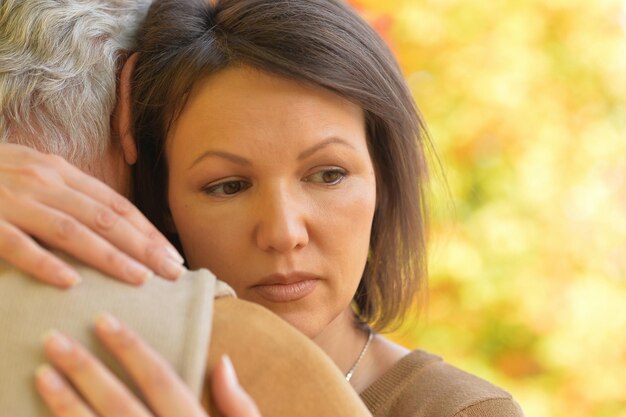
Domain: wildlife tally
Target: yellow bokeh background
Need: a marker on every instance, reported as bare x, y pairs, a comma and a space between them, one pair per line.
526, 105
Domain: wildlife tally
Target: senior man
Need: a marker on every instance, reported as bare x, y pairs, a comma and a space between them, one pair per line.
59, 63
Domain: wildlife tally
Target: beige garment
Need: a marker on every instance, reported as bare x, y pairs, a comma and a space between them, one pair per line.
174, 317
422, 385
282, 369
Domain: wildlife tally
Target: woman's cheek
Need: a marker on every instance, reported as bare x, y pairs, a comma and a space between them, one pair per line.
192, 228
350, 221
358, 205
211, 241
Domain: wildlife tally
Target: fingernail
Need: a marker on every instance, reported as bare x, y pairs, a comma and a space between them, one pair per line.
231, 376
137, 272
50, 379
171, 269
107, 323
69, 277
57, 342
175, 255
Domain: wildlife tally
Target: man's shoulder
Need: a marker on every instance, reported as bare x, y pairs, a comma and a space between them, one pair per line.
157, 300
173, 317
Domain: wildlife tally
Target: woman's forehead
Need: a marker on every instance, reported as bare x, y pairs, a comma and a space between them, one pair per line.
242, 104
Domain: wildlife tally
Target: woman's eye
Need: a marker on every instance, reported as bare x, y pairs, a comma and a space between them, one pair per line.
227, 188
328, 176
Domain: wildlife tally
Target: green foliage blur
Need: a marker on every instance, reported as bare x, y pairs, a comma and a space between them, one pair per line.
526, 105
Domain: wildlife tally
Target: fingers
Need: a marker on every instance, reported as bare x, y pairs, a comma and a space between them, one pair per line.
20, 250
105, 395
99, 191
230, 397
163, 390
105, 222
81, 204
58, 396
65, 233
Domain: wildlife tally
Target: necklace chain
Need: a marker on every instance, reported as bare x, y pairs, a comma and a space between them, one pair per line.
370, 336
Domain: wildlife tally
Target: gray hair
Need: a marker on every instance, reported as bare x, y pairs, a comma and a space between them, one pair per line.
58, 71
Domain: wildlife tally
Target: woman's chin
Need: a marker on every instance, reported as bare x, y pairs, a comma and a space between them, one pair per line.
307, 323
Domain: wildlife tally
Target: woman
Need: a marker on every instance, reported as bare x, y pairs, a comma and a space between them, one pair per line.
277, 142
290, 141
294, 163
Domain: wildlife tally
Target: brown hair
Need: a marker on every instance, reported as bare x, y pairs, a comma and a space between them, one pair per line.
320, 42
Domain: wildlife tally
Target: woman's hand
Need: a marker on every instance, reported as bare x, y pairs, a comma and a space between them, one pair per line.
105, 396
44, 197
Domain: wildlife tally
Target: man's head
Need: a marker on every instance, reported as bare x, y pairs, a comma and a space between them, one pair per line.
59, 62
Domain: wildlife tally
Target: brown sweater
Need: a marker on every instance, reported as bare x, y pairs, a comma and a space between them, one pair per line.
422, 385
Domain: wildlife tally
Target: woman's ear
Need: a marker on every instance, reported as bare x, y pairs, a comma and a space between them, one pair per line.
125, 114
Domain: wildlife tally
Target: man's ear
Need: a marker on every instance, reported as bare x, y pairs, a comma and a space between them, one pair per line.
124, 111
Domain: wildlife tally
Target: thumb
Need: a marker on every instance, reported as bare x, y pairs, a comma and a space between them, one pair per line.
230, 397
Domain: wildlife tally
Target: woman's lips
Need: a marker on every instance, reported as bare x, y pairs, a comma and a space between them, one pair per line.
282, 293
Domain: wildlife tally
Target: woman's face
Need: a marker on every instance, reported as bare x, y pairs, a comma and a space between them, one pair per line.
272, 188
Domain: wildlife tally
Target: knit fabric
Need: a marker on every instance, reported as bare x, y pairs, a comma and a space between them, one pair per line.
422, 385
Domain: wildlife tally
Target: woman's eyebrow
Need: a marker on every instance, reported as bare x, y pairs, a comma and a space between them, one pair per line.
305, 154
239, 160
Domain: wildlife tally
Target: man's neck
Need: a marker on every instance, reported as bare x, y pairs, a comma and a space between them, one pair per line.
112, 170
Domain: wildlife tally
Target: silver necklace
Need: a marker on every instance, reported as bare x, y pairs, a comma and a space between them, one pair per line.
370, 336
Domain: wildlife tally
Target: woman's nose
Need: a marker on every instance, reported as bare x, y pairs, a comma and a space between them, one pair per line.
282, 225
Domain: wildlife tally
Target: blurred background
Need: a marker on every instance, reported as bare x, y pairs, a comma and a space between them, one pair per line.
526, 105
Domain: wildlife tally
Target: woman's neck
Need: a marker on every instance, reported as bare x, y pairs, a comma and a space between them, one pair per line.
342, 340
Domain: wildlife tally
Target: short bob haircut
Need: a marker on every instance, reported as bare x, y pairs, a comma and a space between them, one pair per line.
323, 43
